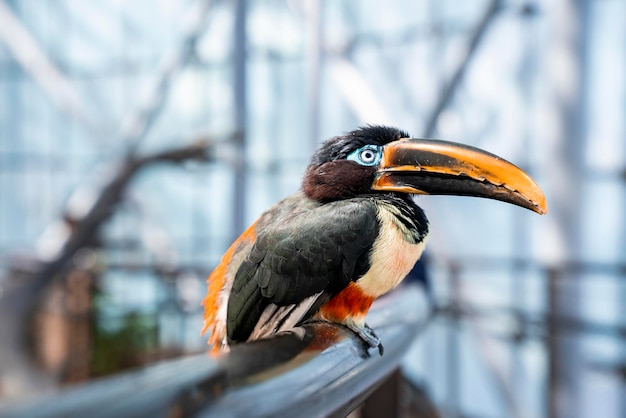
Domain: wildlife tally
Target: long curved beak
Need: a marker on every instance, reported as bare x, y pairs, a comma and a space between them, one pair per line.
425, 166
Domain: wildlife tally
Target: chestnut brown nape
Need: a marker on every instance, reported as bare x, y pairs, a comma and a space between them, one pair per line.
337, 180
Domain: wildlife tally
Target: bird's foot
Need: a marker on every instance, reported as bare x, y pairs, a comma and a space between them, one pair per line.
368, 336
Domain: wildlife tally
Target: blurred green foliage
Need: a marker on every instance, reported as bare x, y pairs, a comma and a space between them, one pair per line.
129, 344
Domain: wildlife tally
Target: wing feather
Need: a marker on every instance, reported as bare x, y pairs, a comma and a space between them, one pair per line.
313, 254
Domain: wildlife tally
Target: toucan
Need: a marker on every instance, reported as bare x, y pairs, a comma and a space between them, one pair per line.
350, 235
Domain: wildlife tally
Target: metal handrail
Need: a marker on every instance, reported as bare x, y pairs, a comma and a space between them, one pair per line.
319, 369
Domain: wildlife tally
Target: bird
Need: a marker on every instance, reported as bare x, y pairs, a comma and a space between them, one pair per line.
349, 235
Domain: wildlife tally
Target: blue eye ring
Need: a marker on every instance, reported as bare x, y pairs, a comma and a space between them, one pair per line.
369, 155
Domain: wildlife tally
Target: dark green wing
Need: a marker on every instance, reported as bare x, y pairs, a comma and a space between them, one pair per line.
319, 250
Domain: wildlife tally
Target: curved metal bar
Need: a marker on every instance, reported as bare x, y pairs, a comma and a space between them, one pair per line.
319, 369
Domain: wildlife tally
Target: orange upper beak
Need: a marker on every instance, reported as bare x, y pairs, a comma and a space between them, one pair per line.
440, 167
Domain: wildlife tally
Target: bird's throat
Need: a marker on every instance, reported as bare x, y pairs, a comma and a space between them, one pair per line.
393, 255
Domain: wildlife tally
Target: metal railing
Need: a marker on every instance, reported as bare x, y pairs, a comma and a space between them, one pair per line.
319, 369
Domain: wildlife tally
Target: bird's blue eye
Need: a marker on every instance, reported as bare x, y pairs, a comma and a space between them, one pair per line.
368, 155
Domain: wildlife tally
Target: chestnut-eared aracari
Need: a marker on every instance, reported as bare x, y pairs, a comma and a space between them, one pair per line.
350, 235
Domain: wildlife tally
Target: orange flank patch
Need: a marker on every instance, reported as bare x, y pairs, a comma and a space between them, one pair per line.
217, 280
350, 304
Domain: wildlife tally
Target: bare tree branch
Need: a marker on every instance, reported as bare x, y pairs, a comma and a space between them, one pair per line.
140, 122
448, 94
86, 229
33, 59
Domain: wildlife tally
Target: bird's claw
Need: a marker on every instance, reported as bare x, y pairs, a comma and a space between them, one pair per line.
368, 336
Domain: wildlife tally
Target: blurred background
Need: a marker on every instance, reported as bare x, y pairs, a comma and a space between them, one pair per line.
139, 138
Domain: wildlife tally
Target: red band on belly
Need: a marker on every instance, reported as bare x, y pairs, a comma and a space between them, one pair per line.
351, 303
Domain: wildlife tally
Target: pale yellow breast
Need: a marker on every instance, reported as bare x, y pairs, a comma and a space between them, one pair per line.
392, 257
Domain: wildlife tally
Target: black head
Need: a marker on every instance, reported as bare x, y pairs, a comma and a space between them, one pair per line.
334, 173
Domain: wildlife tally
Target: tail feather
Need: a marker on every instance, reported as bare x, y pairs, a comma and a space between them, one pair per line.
212, 303
220, 282
280, 318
